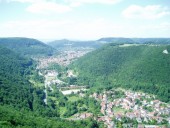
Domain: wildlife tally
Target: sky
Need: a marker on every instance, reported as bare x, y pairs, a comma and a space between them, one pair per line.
84, 19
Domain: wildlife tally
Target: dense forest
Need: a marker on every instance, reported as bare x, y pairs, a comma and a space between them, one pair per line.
15, 88
27, 46
140, 67
11, 118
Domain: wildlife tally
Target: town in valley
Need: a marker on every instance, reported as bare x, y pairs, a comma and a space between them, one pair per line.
118, 106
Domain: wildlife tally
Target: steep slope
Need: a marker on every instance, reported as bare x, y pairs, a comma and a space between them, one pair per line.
141, 67
27, 46
15, 89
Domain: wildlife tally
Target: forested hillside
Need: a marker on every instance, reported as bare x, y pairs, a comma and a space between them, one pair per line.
11, 118
15, 89
27, 46
141, 67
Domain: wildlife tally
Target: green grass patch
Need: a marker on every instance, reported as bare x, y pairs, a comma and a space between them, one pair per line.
74, 98
36, 84
62, 110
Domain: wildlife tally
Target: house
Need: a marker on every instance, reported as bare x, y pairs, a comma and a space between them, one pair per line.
139, 120
111, 125
141, 126
151, 126
85, 115
129, 125
146, 120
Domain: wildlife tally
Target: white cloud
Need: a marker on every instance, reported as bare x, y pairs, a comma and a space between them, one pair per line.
69, 1
93, 29
75, 3
47, 8
25, 1
22, 1
44, 6
57, 6
32, 28
94, 1
147, 12
84, 30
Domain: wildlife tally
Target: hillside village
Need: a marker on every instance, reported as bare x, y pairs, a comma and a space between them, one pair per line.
137, 106
117, 105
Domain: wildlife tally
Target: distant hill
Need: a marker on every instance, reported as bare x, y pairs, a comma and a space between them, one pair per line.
60, 44
158, 41
69, 44
141, 67
27, 46
119, 40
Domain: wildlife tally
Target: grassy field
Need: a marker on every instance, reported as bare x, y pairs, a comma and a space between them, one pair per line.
62, 110
36, 84
73, 98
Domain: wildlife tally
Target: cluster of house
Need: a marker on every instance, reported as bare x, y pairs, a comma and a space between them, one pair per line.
138, 106
81, 116
106, 110
65, 58
145, 110
51, 78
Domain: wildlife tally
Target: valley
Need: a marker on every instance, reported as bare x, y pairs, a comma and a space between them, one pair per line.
118, 106
84, 63
114, 86
132, 109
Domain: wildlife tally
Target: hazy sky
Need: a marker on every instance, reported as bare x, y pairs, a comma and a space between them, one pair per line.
84, 19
